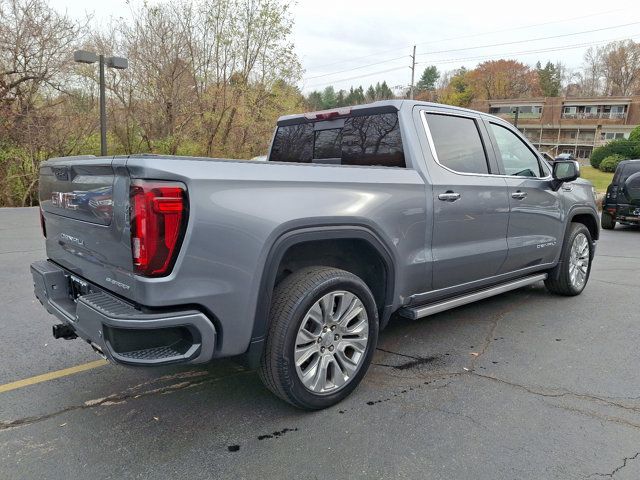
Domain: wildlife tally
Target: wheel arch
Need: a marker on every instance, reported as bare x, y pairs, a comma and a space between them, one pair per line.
307, 235
586, 216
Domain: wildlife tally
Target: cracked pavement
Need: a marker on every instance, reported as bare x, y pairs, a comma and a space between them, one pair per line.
525, 385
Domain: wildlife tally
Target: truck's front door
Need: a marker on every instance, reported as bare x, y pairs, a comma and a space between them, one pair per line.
471, 205
536, 223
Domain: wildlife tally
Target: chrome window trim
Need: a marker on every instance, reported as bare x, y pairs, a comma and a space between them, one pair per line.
432, 148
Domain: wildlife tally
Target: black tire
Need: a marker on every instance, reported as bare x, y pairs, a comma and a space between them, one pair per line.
607, 221
291, 301
559, 279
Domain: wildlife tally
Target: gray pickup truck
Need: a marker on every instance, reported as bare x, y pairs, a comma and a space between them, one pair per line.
295, 264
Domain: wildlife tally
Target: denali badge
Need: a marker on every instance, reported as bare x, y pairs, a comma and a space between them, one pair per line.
543, 245
117, 283
71, 239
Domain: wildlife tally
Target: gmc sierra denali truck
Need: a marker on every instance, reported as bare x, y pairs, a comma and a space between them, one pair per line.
296, 263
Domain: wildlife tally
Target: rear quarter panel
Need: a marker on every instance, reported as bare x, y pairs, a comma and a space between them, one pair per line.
238, 209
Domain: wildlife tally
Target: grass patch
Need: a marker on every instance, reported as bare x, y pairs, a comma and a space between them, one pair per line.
600, 180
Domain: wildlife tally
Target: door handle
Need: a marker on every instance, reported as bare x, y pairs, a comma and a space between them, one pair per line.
519, 195
449, 196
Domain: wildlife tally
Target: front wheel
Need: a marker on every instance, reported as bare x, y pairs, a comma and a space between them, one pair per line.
608, 221
571, 274
322, 335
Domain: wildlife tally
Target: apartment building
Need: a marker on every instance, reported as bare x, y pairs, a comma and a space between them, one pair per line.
568, 124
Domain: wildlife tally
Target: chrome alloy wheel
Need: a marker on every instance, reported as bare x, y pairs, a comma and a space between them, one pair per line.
579, 261
331, 342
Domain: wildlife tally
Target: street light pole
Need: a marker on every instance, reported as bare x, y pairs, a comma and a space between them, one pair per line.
83, 56
103, 110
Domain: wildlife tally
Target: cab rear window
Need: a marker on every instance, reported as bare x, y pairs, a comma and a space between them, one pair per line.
372, 140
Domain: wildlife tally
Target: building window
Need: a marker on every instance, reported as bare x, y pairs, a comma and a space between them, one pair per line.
613, 135
524, 111
617, 111
590, 112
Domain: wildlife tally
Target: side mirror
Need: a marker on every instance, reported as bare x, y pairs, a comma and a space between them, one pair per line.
565, 171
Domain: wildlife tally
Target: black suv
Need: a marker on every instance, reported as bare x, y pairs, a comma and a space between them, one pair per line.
622, 201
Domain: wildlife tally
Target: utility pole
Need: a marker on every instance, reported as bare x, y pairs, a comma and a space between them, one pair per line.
517, 112
413, 72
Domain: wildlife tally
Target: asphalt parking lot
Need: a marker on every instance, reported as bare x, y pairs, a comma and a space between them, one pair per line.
521, 386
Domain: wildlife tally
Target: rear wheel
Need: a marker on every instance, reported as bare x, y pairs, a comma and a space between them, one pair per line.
608, 221
322, 335
571, 274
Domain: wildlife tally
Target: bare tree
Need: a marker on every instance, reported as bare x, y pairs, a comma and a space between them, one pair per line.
205, 77
621, 67
35, 53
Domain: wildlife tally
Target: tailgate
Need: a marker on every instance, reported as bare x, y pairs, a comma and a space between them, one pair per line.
80, 188
85, 206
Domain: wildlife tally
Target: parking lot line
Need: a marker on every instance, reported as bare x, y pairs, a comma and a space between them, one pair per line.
45, 377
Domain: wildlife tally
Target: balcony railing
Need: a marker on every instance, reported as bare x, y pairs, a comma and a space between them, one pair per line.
610, 115
521, 115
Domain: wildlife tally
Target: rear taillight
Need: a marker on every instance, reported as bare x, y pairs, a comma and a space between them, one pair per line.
43, 225
158, 218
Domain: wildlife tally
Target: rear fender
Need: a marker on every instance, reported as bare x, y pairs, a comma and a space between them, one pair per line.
302, 235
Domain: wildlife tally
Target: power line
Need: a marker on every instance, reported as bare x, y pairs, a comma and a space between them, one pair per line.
510, 29
472, 48
531, 39
454, 60
565, 20
358, 76
526, 52
355, 68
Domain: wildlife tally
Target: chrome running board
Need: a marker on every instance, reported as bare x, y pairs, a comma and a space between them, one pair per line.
421, 311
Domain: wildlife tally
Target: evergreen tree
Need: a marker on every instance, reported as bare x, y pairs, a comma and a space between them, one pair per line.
329, 98
429, 77
549, 79
355, 96
314, 99
371, 94
383, 92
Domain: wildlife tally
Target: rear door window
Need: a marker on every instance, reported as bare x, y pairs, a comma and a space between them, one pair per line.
368, 140
458, 143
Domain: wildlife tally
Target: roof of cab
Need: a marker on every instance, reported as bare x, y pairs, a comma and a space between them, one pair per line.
379, 106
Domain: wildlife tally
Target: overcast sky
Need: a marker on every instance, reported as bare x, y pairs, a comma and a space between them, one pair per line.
372, 40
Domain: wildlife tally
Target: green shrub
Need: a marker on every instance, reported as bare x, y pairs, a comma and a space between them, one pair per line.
635, 134
624, 147
610, 163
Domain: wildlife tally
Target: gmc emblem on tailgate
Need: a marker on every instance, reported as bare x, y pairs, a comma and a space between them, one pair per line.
64, 200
